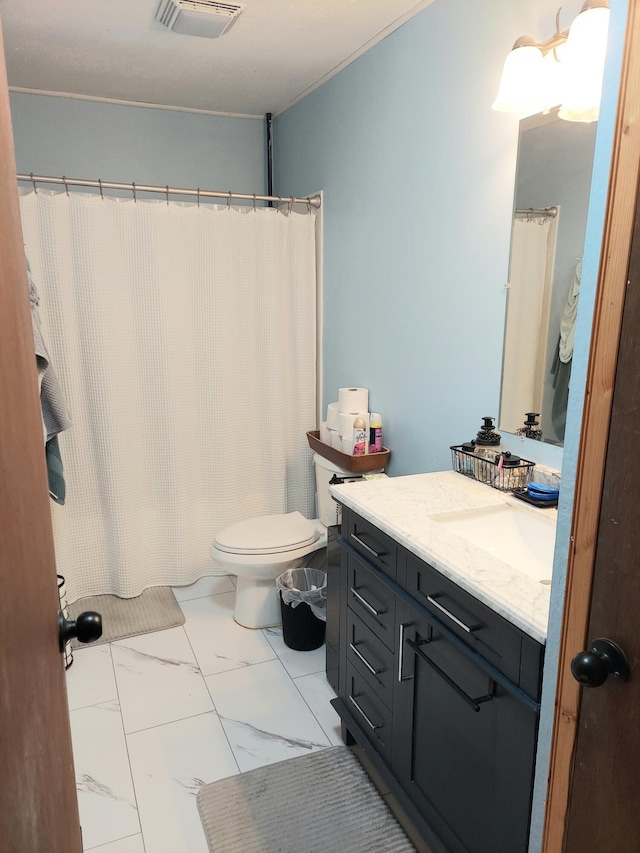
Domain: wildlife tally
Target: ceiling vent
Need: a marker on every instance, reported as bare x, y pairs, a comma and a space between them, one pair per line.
206, 18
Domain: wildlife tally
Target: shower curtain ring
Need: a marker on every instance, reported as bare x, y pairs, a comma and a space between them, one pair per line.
133, 188
33, 181
290, 204
167, 189
229, 200
254, 201
66, 185
101, 192
198, 196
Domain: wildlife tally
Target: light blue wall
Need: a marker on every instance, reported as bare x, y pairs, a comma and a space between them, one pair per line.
418, 174
90, 139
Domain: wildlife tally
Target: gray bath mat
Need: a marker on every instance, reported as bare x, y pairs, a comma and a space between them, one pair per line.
153, 610
319, 803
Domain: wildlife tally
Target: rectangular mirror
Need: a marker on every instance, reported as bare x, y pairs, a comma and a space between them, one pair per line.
553, 179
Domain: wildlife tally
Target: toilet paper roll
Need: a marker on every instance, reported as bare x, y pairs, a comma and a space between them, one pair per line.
334, 439
332, 415
324, 433
353, 399
346, 420
347, 446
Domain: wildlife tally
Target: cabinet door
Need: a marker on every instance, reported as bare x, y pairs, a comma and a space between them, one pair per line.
334, 601
463, 746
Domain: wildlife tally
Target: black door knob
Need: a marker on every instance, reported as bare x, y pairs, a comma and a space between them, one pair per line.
87, 627
603, 659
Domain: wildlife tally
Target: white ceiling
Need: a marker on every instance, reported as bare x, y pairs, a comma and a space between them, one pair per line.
274, 53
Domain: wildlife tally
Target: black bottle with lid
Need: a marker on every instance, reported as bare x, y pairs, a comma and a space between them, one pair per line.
488, 441
531, 427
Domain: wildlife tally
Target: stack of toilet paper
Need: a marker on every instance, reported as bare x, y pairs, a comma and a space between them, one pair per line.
337, 429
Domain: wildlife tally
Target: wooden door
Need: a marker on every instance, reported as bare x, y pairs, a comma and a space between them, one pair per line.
603, 812
591, 803
38, 805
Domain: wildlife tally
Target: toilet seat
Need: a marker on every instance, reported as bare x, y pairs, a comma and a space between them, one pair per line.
267, 534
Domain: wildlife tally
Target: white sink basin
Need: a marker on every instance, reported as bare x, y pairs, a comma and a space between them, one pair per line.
519, 535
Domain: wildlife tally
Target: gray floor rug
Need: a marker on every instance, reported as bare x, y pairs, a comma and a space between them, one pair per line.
318, 803
154, 609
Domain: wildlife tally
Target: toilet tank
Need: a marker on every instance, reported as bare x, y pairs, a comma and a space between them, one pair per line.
327, 507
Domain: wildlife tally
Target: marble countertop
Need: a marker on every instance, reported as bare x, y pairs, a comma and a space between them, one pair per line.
401, 506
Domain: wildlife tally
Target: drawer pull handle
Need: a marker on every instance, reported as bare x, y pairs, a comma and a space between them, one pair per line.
364, 660
401, 677
453, 618
364, 602
367, 547
371, 725
472, 703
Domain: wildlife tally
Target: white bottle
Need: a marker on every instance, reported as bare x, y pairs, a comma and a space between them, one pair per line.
360, 438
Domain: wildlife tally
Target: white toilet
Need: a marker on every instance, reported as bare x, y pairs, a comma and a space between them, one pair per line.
259, 549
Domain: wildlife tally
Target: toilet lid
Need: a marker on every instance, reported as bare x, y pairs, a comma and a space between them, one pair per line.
267, 534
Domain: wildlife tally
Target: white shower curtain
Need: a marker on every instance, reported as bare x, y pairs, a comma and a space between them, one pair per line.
185, 340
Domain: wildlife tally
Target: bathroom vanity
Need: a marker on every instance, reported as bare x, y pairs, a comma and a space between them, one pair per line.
435, 646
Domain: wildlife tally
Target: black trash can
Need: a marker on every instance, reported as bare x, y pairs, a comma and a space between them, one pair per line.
303, 603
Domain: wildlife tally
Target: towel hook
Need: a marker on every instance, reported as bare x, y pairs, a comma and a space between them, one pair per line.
101, 192
66, 185
198, 196
229, 200
167, 189
133, 186
33, 181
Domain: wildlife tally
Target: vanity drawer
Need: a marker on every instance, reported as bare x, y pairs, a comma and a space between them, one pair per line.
381, 550
369, 657
486, 632
371, 599
370, 712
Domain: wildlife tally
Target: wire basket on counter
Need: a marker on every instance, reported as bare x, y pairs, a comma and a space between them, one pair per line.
506, 477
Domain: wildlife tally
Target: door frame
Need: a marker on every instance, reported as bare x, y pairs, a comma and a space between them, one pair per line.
596, 416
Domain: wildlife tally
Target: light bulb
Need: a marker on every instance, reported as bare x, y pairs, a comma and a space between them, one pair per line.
523, 77
584, 65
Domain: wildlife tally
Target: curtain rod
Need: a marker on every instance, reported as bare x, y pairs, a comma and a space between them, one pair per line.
549, 212
311, 201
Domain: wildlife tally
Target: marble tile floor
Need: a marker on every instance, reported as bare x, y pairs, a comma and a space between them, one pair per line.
156, 716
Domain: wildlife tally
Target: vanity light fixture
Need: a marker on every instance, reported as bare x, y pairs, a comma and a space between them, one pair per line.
565, 69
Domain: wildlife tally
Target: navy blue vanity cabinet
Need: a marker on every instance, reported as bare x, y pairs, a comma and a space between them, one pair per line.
464, 742
439, 690
335, 617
